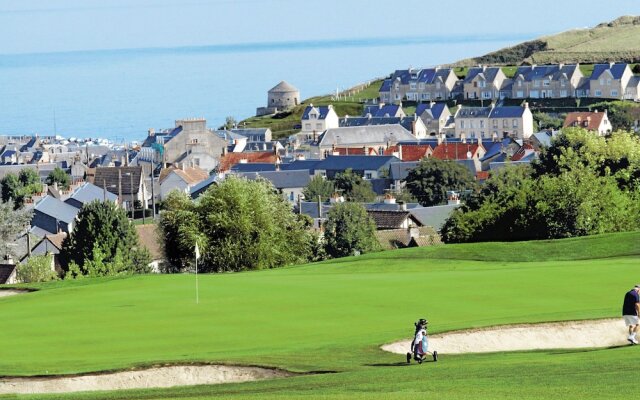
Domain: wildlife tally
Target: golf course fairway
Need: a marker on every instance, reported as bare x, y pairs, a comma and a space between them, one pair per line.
330, 319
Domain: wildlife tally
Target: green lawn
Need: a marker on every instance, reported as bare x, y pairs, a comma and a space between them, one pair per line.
333, 316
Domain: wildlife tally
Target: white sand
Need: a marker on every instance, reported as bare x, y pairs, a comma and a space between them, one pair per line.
4, 293
560, 335
150, 378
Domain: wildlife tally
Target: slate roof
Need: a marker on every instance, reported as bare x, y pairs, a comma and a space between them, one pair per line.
109, 176
386, 85
307, 165
56, 209
473, 112
282, 179
388, 219
6, 270
229, 135
361, 163
507, 112
386, 110
89, 192
389, 206
433, 110
488, 73
322, 111
254, 167
252, 134
544, 138
400, 170
553, 72
617, 70
433, 216
201, 187
365, 135
588, 120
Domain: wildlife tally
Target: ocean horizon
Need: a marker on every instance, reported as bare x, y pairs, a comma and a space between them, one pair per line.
118, 94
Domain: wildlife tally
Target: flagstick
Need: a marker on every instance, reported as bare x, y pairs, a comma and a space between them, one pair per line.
197, 299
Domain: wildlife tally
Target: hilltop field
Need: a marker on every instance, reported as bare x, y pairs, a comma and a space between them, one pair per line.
328, 321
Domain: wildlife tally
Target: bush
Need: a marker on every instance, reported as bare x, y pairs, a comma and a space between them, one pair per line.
36, 269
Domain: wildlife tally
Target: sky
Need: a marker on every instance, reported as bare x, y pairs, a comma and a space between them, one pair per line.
43, 26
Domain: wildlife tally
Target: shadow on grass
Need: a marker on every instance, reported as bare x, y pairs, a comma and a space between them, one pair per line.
621, 346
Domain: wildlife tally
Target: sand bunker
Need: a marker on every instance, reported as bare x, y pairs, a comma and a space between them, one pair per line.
4, 293
161, 377
560, 335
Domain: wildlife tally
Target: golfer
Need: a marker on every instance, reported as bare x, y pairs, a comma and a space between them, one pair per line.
630, 312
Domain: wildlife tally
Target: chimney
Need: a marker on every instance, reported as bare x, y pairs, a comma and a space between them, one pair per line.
400, 152
453, 199
184, 166
364, 150
389, 199
440, 138
224, 151
152, 132
595, 111
525, 105
336, 198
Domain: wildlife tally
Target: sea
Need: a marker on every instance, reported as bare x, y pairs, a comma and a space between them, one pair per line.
119, 94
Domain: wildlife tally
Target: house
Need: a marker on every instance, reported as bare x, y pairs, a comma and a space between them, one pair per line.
378, 136
228, 160
418, 85
181, 179
148, 239
494, 122
592, 121
484, 83
254, 134
52, 216
290, 183
8, 274
190, 142
462, 152
202, 187
281, 97
410, 152
546, 81
435, 116
366, 166
633, 89
434, 216
610, 81
88, 192
126, 182
235, 141
383, 110
50, 245
316, 120
411, 123
397, 219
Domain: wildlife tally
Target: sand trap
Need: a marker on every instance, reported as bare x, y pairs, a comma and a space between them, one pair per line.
161, 377
4, 293
557, 335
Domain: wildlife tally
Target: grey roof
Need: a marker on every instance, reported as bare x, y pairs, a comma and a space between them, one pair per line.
56, 209
389, 207
433, 216
282, 179
507, 112
473, 112
365, 135
322, 111
89, 192
544, 137
229, 135
361, 163
201, 187
283, 87
617, 70
15, 169
400, 170
488, 73
253, 167
382, 110
634, 81
433, 110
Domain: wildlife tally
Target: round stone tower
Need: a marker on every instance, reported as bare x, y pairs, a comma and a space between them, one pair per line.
283, 96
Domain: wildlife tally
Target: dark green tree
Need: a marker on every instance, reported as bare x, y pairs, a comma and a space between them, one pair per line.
432, 178
239, 225
60, 177
350, 230
354, 187
11, 190
318, 186
103, 242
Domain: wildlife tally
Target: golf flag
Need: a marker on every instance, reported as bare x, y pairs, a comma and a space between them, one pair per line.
197, 251
197, 256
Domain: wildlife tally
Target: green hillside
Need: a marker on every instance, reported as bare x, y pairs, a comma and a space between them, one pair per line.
333, 316
613, 41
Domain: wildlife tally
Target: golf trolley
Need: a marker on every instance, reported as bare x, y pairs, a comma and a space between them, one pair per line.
420, 344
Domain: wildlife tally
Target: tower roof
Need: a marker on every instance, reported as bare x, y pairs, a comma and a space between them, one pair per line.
283, 87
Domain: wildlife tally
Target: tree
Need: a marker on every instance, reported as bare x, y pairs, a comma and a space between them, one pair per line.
103, 242
19, 187
60, 177
318, 186
14, 223
430, 181
354, 187
350, 230
239, 225
36, 269
230, 123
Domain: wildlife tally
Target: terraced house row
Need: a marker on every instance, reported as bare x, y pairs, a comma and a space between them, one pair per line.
609, 81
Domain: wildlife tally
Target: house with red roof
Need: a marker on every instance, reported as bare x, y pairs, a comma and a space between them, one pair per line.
230, 159
593, 121
410, 152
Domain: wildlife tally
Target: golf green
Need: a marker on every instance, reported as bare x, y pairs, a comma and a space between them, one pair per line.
333, 316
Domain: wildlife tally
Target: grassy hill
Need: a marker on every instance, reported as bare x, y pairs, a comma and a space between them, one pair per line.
613, 41
333, 316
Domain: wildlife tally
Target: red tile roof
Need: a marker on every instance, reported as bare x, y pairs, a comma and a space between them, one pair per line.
411, 152
482, 175
229, 160
587, 120
454, 151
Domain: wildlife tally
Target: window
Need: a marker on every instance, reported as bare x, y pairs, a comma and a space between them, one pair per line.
495, 123
536, 83
412, 85
519, 83
424, 96
520, 93
563, 93
486, 95
482, 84
397, 86
505, 123
515, 123
427, 96
438, 95
608, 82
598, 93
462, 124
481, 124
196, 162
602, 81
614, 93
313, 116
471, 124
438, 85
421, 85
563, 82
368, 175
318, 126
307, 126
546, 82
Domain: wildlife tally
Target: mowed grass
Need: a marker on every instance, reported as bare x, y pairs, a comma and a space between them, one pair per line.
333, 316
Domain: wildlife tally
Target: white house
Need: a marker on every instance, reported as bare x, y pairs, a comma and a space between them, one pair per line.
181, 179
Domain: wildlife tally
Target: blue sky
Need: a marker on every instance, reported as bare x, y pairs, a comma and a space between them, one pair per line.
28, 26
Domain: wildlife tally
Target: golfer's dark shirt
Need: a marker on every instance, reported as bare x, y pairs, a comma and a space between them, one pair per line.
630, 300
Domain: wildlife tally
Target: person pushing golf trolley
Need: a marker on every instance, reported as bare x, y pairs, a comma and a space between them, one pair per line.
630, 312
420, 343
